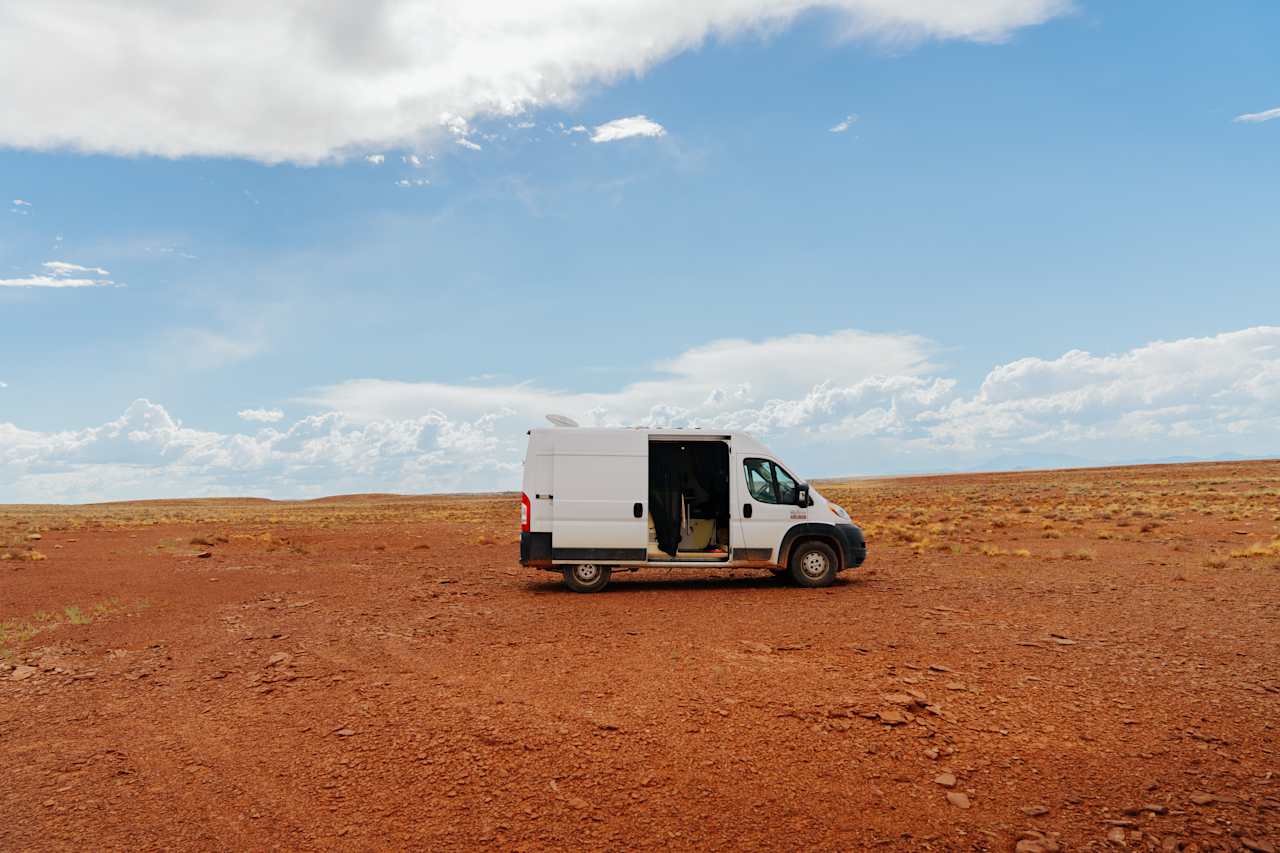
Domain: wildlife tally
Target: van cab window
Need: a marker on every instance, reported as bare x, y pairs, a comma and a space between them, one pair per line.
768, 483
786, 486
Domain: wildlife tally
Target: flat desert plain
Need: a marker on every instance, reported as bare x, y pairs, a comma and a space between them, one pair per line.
1067, 660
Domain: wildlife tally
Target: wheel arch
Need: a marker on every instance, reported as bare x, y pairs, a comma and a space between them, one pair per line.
801, 533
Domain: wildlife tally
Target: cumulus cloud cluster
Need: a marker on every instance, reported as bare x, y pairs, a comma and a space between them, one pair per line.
841, 403
208, 77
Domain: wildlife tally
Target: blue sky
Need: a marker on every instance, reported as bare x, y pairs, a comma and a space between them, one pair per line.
1046, 233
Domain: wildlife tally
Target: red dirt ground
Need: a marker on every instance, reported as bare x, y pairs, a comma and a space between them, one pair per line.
379, 672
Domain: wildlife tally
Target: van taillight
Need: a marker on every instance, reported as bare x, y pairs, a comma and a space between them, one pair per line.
524, 513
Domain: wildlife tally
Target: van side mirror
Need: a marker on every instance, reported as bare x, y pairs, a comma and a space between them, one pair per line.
802, 495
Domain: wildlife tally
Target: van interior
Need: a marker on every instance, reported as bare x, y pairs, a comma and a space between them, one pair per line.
688, 500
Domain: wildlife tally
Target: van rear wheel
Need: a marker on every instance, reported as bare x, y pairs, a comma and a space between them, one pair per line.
586, 577
813, 564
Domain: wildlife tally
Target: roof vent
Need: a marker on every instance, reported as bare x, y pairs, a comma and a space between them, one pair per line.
562, 421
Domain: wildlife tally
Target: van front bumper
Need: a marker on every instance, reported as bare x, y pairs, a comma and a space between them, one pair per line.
853, 544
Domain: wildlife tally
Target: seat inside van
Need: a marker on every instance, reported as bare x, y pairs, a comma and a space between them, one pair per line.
688, 500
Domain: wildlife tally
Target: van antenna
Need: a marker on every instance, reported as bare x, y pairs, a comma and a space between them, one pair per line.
562, 421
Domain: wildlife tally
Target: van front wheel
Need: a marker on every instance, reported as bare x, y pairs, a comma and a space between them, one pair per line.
813, 564
586, 577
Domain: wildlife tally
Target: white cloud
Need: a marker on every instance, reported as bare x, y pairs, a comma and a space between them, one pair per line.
376, 159
624, 128
59, 275
266, 416
842, 126
845, 402
1254, 118
460, 129
413, 160
412, 182
20, 203
1192, 386
389, 73
51, 281
64, 268
148, 452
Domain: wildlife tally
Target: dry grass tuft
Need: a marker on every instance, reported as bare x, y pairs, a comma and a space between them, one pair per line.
1259, 549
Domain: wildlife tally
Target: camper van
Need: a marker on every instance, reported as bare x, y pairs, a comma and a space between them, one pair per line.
595, 501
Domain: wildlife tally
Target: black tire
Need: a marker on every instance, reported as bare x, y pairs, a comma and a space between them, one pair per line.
586, 577
814, 564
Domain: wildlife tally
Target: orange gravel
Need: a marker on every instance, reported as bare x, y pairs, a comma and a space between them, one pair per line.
1073, 660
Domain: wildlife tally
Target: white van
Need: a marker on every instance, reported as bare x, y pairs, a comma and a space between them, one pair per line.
595, 500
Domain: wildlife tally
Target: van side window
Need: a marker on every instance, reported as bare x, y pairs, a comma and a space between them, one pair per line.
760, 480
786, 485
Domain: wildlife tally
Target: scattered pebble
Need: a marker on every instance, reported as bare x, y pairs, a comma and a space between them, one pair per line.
892, 717
946, 780
957, 799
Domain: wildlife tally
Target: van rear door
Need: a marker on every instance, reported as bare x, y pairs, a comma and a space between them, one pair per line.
601, 495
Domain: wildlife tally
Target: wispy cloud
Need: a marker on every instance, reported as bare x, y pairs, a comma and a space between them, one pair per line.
265, 416
844, 125
375, 159
62, 274
64, 268
625, 128
1254, 118
20, 207
460, 129
412, 182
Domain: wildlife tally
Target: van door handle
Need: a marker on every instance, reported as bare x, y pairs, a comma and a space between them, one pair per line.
638, 509
746, 510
